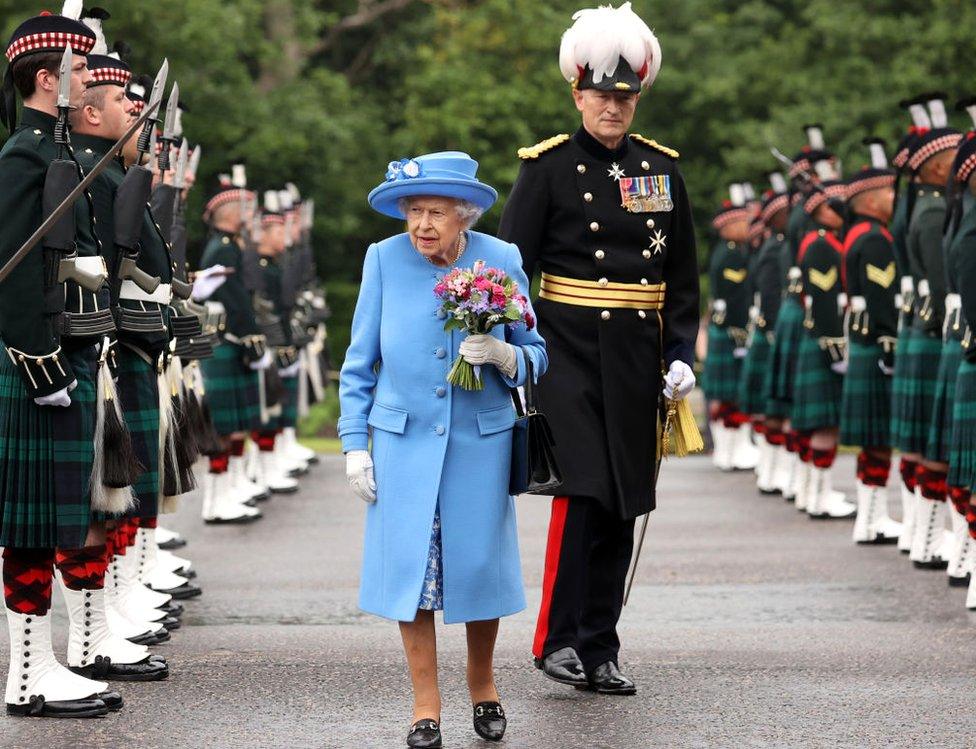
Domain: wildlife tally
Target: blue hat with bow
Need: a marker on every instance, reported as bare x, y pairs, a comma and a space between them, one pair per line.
446, 174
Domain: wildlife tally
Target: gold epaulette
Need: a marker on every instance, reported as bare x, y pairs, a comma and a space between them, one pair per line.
655, 145
534, 152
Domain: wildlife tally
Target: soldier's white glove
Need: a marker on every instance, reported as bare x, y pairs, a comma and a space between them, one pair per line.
263, 363
207, 281
60, 398
359, 474
840, 367
481, 349
679, 381
290, 371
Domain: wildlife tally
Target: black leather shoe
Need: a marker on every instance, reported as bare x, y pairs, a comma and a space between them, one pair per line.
959, 582
181, 593
563, 667
172, 608
38, 707
113, 700
175, 543
607, 679
425, 734
171, 623
103, 668
151, 638
489, 721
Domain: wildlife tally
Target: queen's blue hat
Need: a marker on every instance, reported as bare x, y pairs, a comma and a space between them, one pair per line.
446, 174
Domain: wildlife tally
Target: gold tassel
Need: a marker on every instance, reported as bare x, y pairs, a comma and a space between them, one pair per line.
686, 438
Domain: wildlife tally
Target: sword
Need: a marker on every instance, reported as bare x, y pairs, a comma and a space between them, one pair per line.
76, 193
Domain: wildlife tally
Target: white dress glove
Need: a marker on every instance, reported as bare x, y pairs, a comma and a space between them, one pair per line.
207, 282
839, 367
481, 349
679, 381
290, 371
263, 363
359, 474
60, 398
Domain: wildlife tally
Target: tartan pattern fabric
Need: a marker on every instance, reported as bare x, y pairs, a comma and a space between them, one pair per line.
962, 445
721, 374
232, 390
865, 410
913, 391
46, 456
139, 398
753, 375
817, 390
782, 364
940, 427
82, 569
27, 575
289, 403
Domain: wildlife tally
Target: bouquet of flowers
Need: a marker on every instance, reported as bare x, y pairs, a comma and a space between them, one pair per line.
476, 300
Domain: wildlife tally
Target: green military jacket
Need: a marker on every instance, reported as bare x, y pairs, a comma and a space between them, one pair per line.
222, 249
871, 273
768, 279
925, 257
819, 260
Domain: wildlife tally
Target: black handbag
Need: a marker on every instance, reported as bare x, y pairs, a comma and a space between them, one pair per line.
534, 469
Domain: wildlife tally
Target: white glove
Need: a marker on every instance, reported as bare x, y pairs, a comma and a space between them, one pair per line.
679, 381
263, 363
290, 371
885, 368
359, 474
740, 352
60, 398
481, 349
840, 367
207, 281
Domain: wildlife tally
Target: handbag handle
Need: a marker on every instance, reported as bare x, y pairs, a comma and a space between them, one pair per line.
529, 391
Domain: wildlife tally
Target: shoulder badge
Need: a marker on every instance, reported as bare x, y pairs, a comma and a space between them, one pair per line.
534, 152
655, 145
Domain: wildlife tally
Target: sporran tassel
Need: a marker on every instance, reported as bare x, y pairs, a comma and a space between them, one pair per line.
115, 467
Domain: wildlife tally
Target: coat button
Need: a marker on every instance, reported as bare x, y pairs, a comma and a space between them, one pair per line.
594, 226
588, 197
599, 254
603, 282
821, 232
650, 223
647, 254
440, 391
643, 282
645, 166
441, 314
641, 314
581, 168
439, 429
440, 353
605, 315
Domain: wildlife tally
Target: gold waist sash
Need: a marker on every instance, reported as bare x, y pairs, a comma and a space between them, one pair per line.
605, 294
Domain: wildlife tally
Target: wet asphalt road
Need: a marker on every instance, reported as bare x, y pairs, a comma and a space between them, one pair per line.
750, 626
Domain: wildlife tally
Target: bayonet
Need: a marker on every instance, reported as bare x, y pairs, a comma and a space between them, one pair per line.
152, 105
179, 179
64, 97
194, 161
169, 128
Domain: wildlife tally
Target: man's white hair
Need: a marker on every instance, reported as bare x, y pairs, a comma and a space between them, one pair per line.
468, 211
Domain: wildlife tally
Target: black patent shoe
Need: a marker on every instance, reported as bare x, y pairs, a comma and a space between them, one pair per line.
113, 700
181, 593
172, 608
103, 668
173, 543
425, 734
171, 623
563, 667
38, 707
489, 721
959, 582
151, 638
607, 679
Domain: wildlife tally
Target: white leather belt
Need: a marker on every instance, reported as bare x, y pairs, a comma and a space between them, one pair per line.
131, 291
93, 264
952, 303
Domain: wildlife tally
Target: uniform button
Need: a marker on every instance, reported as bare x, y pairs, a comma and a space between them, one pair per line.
647, 254
439, 429
588, 197
603, 282
821, 232
37, 132
440, 391
605, 315
643, 282
937, 193
650, 223
594, 226
440, 353
441, 314
641, 314
730, 245
600, 254
581, 168
645, 166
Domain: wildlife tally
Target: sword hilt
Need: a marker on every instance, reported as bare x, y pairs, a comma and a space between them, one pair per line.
142, 145
61, 128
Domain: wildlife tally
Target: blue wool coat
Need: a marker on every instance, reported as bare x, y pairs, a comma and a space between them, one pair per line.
432, 443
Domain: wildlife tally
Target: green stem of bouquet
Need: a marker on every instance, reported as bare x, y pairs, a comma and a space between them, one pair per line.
462, 375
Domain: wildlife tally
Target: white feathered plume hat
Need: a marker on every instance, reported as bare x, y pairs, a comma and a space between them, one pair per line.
609, 49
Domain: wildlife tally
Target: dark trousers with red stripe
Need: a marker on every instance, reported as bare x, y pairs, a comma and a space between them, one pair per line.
587, 558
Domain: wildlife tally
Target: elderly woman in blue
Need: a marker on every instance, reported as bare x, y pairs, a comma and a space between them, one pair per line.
440, 526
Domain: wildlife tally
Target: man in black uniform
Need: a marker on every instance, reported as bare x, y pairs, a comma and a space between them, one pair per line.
606, 218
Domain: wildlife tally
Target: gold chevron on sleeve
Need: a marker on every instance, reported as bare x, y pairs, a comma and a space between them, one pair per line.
884, 278
823, 281
735, 276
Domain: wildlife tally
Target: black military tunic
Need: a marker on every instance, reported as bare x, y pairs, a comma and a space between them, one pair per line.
601, 392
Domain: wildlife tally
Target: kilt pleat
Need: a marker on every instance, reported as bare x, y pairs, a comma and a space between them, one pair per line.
721, 374
782, 362
816, 390
940, 427
232, 391
753, 375
46, 457
865, 411
289, 402
139, 398
913, 390
962, 444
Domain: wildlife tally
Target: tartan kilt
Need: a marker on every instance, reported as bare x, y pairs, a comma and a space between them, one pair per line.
913, 390
232, 391
46, 457
139, 397
816, 389
753, 376
782, 362
865, 408
962, 444
940, 426
289, 402
720, 379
